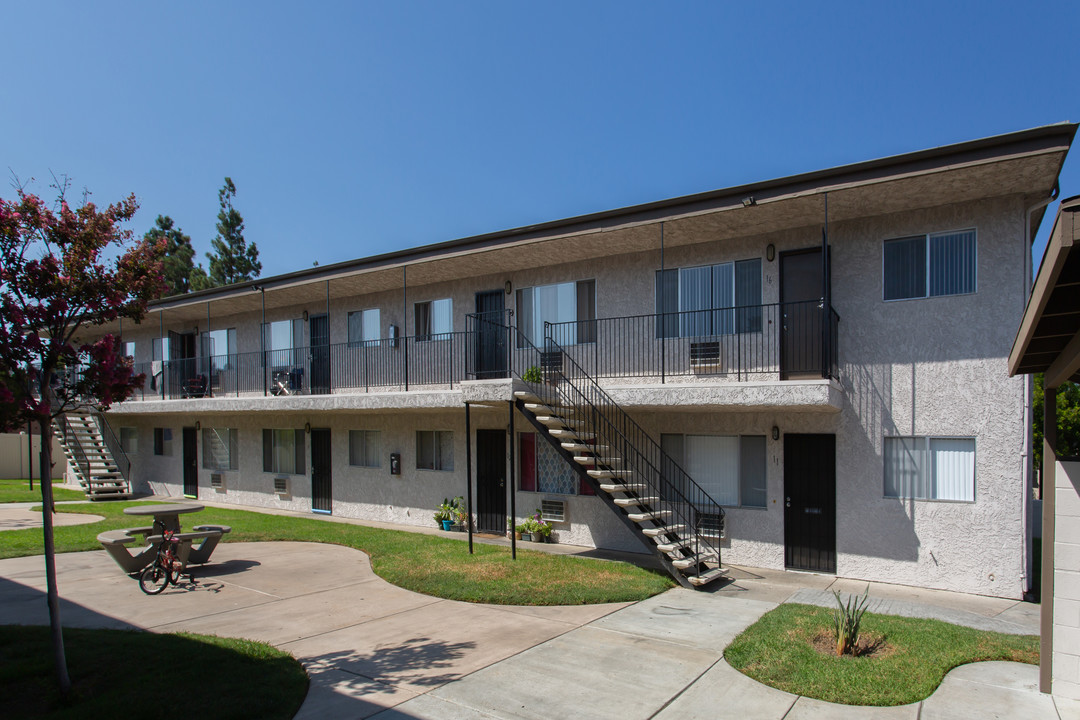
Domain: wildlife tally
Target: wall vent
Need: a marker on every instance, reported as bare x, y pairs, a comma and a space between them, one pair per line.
281, 485
217, 481
553, 510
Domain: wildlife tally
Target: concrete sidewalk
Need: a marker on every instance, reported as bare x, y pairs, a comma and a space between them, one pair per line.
375, 650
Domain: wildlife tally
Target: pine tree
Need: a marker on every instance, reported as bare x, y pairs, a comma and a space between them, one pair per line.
179, 255
232, 260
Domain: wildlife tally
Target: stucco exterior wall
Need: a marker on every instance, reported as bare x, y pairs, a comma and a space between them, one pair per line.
926, 367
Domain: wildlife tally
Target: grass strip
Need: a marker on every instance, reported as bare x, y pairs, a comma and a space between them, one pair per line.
429, 564
19, 491
117, 673
777, 650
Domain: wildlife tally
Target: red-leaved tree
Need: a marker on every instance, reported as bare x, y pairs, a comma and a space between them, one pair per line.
63, 272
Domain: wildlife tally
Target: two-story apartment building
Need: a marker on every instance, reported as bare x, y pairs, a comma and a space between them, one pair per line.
819, 360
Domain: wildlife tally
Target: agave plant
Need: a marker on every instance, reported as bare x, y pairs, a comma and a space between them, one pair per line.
846, 620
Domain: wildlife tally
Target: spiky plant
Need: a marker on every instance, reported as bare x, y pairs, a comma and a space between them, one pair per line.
846, 620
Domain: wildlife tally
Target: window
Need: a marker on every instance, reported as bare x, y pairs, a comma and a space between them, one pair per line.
434, 450
129, 440
283, 451
163, 441
709, 300
160, 349
434, 317
572, 305
220, 347
219, 449
541, 469
730, 468
929, 265
129, 349
280, 338
364, 448
930, 468
363, 327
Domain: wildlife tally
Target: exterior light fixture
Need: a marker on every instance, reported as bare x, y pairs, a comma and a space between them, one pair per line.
770, 252
509, 287
775, 433
305, 316
198, 426
749, 201
307, 428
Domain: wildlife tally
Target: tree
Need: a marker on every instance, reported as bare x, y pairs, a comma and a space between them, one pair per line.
233, 260
56, 283
179, 255
1068, 419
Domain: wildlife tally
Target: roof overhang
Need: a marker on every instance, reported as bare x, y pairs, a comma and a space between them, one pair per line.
1025, 163
1048, 340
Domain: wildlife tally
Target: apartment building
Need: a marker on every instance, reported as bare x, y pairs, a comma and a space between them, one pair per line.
807, 373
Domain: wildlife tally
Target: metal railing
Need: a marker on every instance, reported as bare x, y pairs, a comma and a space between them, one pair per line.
375, 365
71, 441
119, 458
682, 507
781, 340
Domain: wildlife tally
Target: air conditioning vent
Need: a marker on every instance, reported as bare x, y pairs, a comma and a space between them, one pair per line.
217, 481
705, 354
281, 485
553, 510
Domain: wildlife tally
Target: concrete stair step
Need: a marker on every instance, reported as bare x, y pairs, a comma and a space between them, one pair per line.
583, 447
650, 515
552, 408
611, 473
694, 560
670, 547
636, 502
706, 577
558, 422
571, 435
624, 487
662, 530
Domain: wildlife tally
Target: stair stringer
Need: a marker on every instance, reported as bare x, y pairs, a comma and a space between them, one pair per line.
580, 470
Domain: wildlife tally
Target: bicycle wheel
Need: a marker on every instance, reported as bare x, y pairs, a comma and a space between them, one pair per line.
154, 578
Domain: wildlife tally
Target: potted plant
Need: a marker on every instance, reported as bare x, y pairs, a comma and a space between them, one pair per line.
461, 515
541, 528
524, 530
444, 514
533, 375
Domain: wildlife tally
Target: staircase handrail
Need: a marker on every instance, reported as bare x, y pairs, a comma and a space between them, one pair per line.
71, 440
116, 450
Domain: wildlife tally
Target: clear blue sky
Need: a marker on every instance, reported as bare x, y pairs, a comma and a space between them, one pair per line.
357, 128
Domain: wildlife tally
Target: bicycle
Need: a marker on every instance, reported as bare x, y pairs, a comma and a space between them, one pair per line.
166, 567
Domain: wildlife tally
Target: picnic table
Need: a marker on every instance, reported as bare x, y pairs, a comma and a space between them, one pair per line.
168, 515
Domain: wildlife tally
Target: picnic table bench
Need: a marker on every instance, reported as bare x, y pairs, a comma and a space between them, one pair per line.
116, 542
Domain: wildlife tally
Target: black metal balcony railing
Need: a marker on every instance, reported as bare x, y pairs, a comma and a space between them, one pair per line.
781, 341
784, 340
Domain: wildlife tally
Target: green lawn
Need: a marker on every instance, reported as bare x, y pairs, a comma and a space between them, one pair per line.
776, 650
19, 491
117, 673
433, 565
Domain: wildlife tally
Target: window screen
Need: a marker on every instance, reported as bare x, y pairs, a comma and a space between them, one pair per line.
930, 468
284, 451
364, 448
219, 451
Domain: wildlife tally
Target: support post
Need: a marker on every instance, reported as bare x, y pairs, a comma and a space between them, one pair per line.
826, 296
512, 483
1049, 493
468, 475
663, 313
405, 320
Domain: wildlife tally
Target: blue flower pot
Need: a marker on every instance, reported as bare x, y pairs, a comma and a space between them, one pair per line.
447, 524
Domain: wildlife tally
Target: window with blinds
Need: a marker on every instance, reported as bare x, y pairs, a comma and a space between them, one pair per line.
219, 449
433, 318
720, 299
129, 440
730, 468
434, 450
931, 265
364, 448
571, 306
363, 327
930, 468
283, 451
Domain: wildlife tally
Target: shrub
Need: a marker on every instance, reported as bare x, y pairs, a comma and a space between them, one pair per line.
846, 621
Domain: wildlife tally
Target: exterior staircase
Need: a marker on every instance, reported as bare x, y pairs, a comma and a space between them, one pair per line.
629, 470
92, 450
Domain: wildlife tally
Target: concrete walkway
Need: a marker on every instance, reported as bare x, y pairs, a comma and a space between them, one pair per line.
375, 650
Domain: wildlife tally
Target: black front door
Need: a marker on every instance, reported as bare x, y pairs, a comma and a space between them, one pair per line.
319, 338
321, 486
490, 342
810, 502
801, 292
491, 481
191, 462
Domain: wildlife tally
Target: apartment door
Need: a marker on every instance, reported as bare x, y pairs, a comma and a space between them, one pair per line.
182, 363
191, 462
321, 485
491, 481
490, 335
810, 502
801, 292
319, 347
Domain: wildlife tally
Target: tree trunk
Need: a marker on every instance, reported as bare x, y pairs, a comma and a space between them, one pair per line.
53, 596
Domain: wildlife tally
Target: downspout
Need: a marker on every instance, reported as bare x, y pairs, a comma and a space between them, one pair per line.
1029, 390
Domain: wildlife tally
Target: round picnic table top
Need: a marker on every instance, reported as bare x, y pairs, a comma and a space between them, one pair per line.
163, 509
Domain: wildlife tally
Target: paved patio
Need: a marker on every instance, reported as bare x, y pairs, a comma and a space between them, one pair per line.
375, 650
